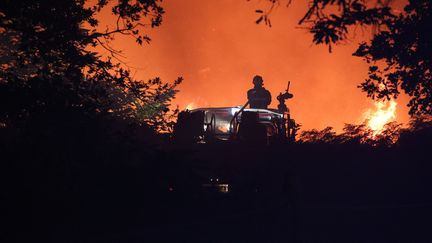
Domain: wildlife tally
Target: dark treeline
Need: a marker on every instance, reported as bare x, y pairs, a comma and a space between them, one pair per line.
108, 181
392, 134
83, 160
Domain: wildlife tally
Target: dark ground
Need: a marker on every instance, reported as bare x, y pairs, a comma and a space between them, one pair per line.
76, 192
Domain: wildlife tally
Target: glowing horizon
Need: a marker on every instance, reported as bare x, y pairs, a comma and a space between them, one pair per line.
217, 48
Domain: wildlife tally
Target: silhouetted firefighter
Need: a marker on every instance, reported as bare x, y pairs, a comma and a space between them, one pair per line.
257, 125
258, 97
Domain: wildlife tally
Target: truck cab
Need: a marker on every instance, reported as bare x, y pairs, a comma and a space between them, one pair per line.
204, 125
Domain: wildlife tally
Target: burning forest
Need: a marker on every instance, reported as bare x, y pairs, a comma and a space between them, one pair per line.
215, 121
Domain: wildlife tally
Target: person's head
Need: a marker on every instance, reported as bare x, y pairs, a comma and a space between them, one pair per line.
258, 81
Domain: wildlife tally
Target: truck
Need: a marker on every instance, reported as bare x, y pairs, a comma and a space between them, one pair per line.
234, 124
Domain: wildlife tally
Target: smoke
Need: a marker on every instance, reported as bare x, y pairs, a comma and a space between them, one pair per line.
217, 48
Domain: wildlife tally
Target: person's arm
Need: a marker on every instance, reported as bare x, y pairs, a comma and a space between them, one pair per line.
269, 98
249, 93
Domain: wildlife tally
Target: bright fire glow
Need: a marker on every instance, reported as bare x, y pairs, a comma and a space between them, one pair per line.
190, 106
384, 112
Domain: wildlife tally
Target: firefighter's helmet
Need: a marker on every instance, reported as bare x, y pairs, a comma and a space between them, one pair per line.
257, 80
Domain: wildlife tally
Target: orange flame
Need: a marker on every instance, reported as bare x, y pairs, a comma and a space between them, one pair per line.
384, 112
190, 106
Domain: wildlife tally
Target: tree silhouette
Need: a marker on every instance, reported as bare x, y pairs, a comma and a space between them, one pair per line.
356, 134
399, 53
327, 135
48, 64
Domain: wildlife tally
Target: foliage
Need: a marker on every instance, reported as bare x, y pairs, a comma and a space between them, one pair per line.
405, 52
48, 64
154, 109
418, 135
399, 53
327, 135
354, 134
